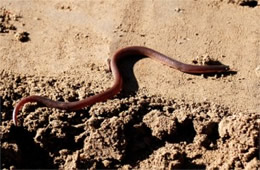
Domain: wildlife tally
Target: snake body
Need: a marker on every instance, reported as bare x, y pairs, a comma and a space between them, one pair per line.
118, 81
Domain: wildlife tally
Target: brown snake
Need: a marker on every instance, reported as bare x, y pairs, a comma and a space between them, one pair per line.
118, 81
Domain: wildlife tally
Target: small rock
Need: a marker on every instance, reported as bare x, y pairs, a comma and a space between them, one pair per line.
178, 9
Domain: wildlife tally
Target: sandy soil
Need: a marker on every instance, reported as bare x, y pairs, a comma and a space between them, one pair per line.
163, 118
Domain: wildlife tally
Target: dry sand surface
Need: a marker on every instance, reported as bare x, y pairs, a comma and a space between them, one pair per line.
163, 118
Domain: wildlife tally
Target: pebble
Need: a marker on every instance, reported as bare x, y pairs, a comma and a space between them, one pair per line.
177, 9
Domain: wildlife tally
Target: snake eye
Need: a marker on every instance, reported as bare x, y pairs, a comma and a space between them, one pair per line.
227, 68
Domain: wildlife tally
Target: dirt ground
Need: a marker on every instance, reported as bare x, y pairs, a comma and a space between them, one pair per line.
163, 118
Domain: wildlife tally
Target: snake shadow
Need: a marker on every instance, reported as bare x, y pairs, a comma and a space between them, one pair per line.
130, 85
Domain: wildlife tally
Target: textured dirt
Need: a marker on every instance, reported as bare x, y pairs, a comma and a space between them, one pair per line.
163, 119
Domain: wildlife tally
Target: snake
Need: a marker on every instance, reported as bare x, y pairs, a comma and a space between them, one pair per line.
118, 80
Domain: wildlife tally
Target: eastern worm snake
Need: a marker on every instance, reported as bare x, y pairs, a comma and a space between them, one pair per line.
118, 82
